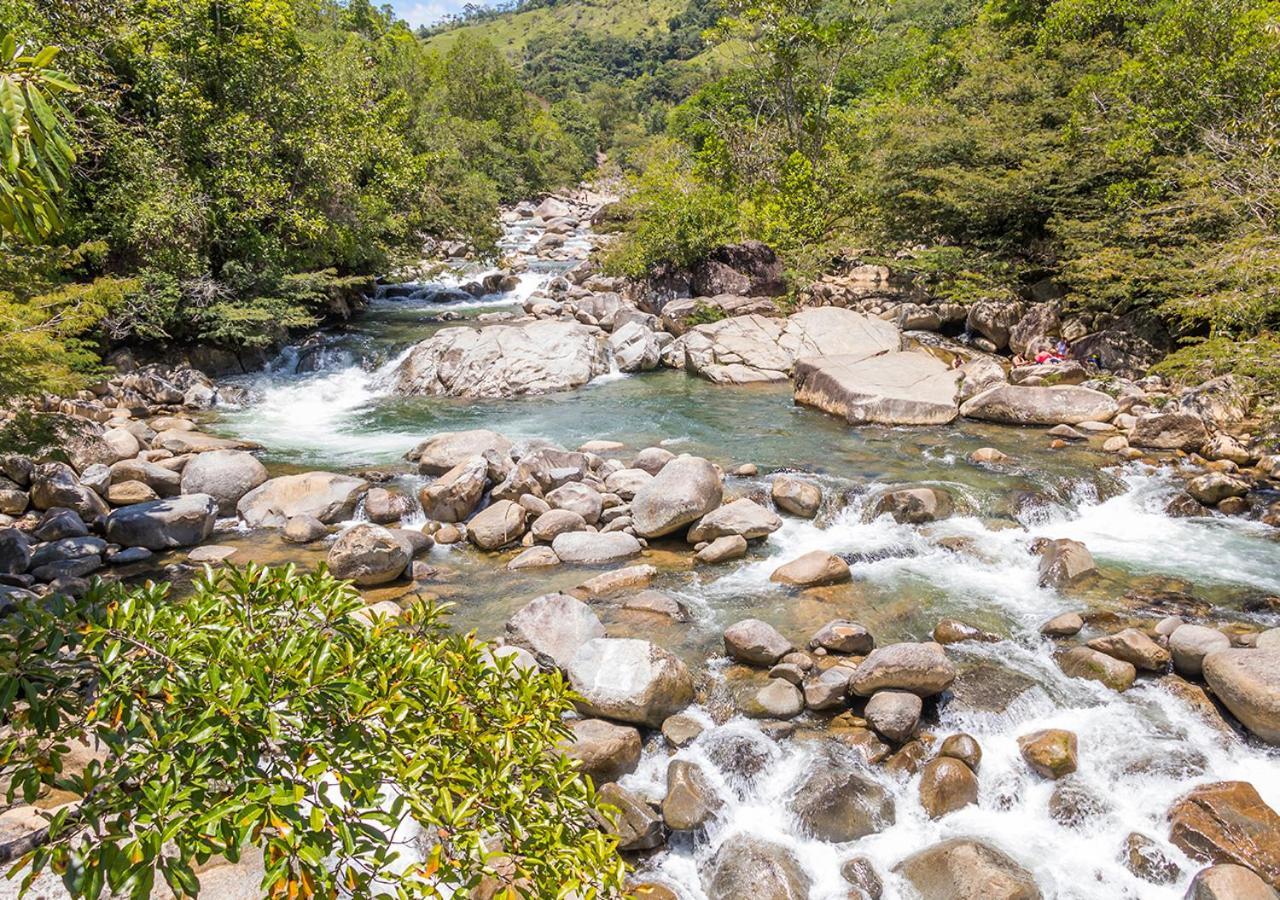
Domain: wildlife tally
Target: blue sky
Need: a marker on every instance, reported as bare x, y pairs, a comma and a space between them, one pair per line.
428, 12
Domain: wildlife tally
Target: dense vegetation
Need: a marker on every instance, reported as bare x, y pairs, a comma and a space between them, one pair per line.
237, 161
1127, 151
260, 712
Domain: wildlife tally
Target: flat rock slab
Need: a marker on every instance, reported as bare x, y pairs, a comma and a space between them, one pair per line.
893, 388
1013, 404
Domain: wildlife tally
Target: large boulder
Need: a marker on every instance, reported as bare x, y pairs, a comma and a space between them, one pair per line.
966, 869
1228, 822
589, 548
497, 525
367, 555
603, 750
165, 482
1038, 324
1172, 430
914, 506
454, 495
636, 825
946, 785
441, 452
629, 680
1133, 646
503, 360
748, 866
1248, 683
741, 517
685, 490
179, 442
15, 552
1064, 562
579, 498
635, 348
815, 568
922, 669
1051, 753
225, 475
1190, 644
1228, 882
749, 269
1085, 662
838, 803
690, 802
55, 484
1016, 404
994, 320
164, 524
909, 388
553, 627
326, 496
792, 495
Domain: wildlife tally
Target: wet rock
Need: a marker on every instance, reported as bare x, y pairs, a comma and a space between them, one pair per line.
163, 524
691, 801
813, 569
988, 455
1063, 625
1021, 405
604, 751
792, 495
892, 388
1143, 857
1190, 644
588, 548
953, 631
1212, 488
748, 866
741, 517
1227, 822
837, 803
685, 490
56, 485
1133, 646
1247, 682
497, 525
681, 730
180, 442
741, 755
225, 475
894, 715
755, 643
367, 555
1064, 563
304, 530
612, 582
636, 825
779, 699
1228, 882
914, 506
455, 494
629, 680
946, 785
1072, 805
553, 627
1173, 430
326, 496
384, 507
964, 748
658, 603
922, 669
843, 636
827, 689
862, 875
723, 549
1051, 753
966, 869
442, 452
1085, 662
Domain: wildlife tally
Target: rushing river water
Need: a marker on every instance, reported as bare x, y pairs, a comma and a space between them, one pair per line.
1139, 750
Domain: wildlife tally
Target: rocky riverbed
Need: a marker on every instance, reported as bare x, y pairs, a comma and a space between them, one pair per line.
855, 609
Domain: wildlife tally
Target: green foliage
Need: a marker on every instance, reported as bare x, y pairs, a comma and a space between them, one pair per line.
261, 711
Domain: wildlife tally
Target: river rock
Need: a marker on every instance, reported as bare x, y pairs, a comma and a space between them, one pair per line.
553, 627
755, 643
893, 388
625, 482
741, 517
814, 568
723, 549
922, 669
1212, 488
588, 548
746, 866
1133, 646
367, 555
636, 826
635, 348
1021, 405
55, 485
1227, 822
683, 491
164, 482
1063, 625
577, 497
127, 493
326, 496
1085, 662
15, 552
181, 442
503, 360
383, 507
611, 582
946, 785
442, 452
629, 680
304, 530
792, 495
555, 522
164, 524
1228, 882
652, 459
953, 631
964, 748
497, 525
966, 869
1247, 682
534, 558
843, 636
1172, 430
1143, 857
914, 506
691, 801
1051, 753
1064, 562
778, 699
603, 750
455, 495
894, 714
838, 803
1190, 644
225, 475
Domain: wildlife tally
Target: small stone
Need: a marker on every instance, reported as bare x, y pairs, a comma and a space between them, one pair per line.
755, 643
800, 498
894, 714
779, 699
681, 730
210, 553
964, 748
988, 455
843, 636
1063, 625
953, 631
1051, 753
304, 530
860, 873
1144, 858
946, 785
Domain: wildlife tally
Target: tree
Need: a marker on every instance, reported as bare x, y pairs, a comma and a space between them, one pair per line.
263, 710
36, 152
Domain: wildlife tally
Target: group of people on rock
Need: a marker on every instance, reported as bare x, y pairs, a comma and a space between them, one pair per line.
1045, 353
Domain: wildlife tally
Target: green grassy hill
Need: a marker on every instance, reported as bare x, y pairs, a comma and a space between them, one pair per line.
511, 32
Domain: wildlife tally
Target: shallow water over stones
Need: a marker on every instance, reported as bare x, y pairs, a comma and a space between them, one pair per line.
1138, 751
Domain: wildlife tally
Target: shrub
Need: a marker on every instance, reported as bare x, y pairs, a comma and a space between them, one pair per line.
259, 710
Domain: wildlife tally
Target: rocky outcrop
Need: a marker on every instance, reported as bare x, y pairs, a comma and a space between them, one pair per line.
1012, 404
685, 490
629, 680
892, 388
503, 361
326, 496
1051, 753
164, 524
749, 269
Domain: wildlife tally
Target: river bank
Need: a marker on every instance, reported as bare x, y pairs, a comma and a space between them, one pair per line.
968, 535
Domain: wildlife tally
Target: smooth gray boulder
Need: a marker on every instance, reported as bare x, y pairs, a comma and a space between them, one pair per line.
497, 525
455, 494
368, 555
742, 517
164, 524
326, 496
685, 490
225, 475
589, 548
441, 452
553, 627
1013, 404
894, 388
921, 668
629, 680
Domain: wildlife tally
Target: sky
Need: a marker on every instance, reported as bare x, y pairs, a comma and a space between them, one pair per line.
428, 12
